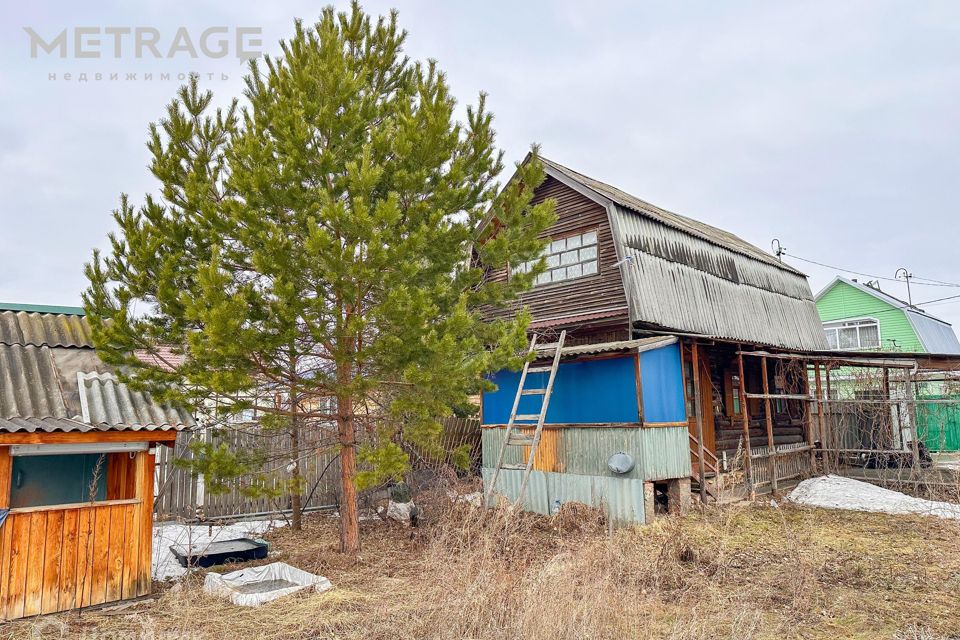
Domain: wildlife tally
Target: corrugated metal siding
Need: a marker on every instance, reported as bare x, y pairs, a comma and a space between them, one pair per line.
39, 329
621, 498
665, 453
660, 453
682, 283
107, 401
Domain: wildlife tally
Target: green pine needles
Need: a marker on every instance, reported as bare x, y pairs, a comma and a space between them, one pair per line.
308, 256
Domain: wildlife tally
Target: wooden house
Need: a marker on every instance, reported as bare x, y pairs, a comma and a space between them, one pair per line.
674, 311
76, 468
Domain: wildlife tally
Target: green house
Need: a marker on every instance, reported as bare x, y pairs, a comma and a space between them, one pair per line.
858, 316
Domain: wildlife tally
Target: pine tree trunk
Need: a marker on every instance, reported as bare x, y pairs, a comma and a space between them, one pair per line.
296, 507
349, 519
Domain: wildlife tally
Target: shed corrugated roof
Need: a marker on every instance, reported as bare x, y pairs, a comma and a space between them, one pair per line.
685, 276
44, 359
29, 384
107, 401
44, 329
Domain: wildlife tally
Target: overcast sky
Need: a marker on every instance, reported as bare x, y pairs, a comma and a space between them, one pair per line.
832, 126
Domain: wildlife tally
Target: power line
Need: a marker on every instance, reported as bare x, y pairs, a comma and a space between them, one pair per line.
929, 282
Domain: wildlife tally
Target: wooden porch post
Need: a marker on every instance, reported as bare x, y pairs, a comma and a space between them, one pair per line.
745, 412
912, 417
821, 414
698, 409
767, 404
830, 441
808, 418
889, 412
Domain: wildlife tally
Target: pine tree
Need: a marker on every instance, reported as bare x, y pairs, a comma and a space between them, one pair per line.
307, 253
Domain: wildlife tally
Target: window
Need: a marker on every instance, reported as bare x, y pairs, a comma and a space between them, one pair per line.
38, 481
853, 334
567, 258
734, 394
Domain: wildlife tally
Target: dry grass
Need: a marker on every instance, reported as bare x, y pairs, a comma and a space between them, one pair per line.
750, 571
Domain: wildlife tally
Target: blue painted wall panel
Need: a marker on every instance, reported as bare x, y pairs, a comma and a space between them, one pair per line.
662, 376
583, 392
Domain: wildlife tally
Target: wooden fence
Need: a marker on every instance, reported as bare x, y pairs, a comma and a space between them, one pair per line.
180, 496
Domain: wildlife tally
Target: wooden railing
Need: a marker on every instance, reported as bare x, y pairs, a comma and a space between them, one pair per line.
788, 462
711, 465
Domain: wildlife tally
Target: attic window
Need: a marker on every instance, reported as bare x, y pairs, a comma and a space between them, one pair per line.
567, 258
853, 334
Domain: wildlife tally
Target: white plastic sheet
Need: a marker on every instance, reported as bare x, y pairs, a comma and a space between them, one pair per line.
253, 586
197, 538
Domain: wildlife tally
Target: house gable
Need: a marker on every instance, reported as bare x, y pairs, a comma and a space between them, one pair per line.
597, 300
843, 301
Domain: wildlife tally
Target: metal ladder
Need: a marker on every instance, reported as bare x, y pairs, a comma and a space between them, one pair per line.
519, 440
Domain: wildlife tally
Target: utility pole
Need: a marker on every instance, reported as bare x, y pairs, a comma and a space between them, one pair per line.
906, 276
777, 249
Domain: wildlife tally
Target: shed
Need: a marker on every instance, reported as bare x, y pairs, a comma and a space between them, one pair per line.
76, 468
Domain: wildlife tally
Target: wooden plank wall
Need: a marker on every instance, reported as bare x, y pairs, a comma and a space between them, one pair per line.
575, 214
60, 559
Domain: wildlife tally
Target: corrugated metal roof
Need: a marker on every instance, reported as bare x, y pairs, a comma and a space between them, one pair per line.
578, 318
642, 344
44, 329
685, 276
936, 335
164, 357
42, 308
109, 402
681, 282
40, 391
682, 223
29, 384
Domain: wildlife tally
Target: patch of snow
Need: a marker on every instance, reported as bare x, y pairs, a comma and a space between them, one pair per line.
836, 492
197, 537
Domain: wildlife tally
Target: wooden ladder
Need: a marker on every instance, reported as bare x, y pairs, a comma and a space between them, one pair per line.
519, 440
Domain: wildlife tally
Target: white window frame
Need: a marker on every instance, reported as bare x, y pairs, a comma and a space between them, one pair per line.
857, 323
550, 250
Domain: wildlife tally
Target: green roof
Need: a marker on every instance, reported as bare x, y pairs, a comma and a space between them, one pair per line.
42, 308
